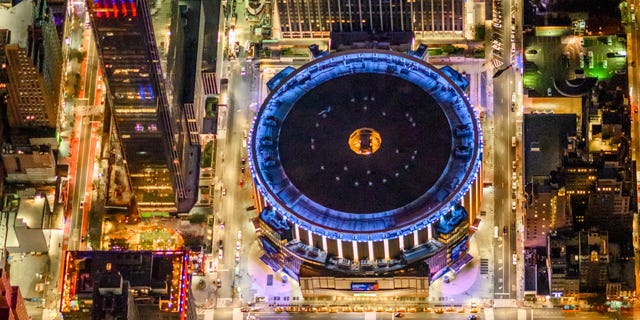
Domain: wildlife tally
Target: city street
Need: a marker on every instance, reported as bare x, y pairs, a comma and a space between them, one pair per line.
232, 226
506, 142
504, 217
84, 140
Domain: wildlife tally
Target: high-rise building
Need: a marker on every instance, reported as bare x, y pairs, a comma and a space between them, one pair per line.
160, 155
45, 45
540, 213
317, 19
28, 104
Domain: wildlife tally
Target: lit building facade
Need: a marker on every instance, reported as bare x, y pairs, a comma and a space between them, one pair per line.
28, 105
127, 285
5, 38
317, 19
541, 213
160, 154
338, 152
46, 43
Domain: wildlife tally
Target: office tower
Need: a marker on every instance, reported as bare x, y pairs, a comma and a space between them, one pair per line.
316, 19
28, 104
159, 152
46, 43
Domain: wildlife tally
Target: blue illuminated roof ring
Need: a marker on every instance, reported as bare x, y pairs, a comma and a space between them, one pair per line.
276, 184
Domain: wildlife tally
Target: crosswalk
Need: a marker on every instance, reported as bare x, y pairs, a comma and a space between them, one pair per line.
484, 266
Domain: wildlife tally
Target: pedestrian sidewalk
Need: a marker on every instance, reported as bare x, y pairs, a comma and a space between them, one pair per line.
261, 282
468, 285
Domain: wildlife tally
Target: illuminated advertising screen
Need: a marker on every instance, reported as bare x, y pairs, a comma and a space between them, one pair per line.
459, 249
364, 286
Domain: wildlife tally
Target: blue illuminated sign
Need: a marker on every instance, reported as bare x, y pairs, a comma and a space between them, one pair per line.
364, 286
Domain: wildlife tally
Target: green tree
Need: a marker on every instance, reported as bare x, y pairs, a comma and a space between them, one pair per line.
480, 32
198, 218
77, 55
192, 241
206, 158
448, 49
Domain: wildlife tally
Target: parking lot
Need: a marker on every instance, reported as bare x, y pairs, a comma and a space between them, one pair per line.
558, 54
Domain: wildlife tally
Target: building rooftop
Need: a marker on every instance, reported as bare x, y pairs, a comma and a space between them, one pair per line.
545, 136
315, 151
158, 277
365, 144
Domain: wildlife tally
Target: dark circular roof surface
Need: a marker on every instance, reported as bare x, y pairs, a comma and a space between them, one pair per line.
302, 163
315, 154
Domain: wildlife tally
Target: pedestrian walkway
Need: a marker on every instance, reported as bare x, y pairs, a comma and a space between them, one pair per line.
262, 283
468, 286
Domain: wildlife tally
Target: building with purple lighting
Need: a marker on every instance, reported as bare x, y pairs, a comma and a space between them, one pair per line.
160, 145
366, 168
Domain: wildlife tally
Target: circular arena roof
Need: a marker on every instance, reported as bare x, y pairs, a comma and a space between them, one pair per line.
365, 145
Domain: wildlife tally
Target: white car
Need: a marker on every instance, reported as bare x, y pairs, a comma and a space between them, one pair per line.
212, 266
239, 234
243, 71
237, 256
220, 254
238, 245
513, 205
